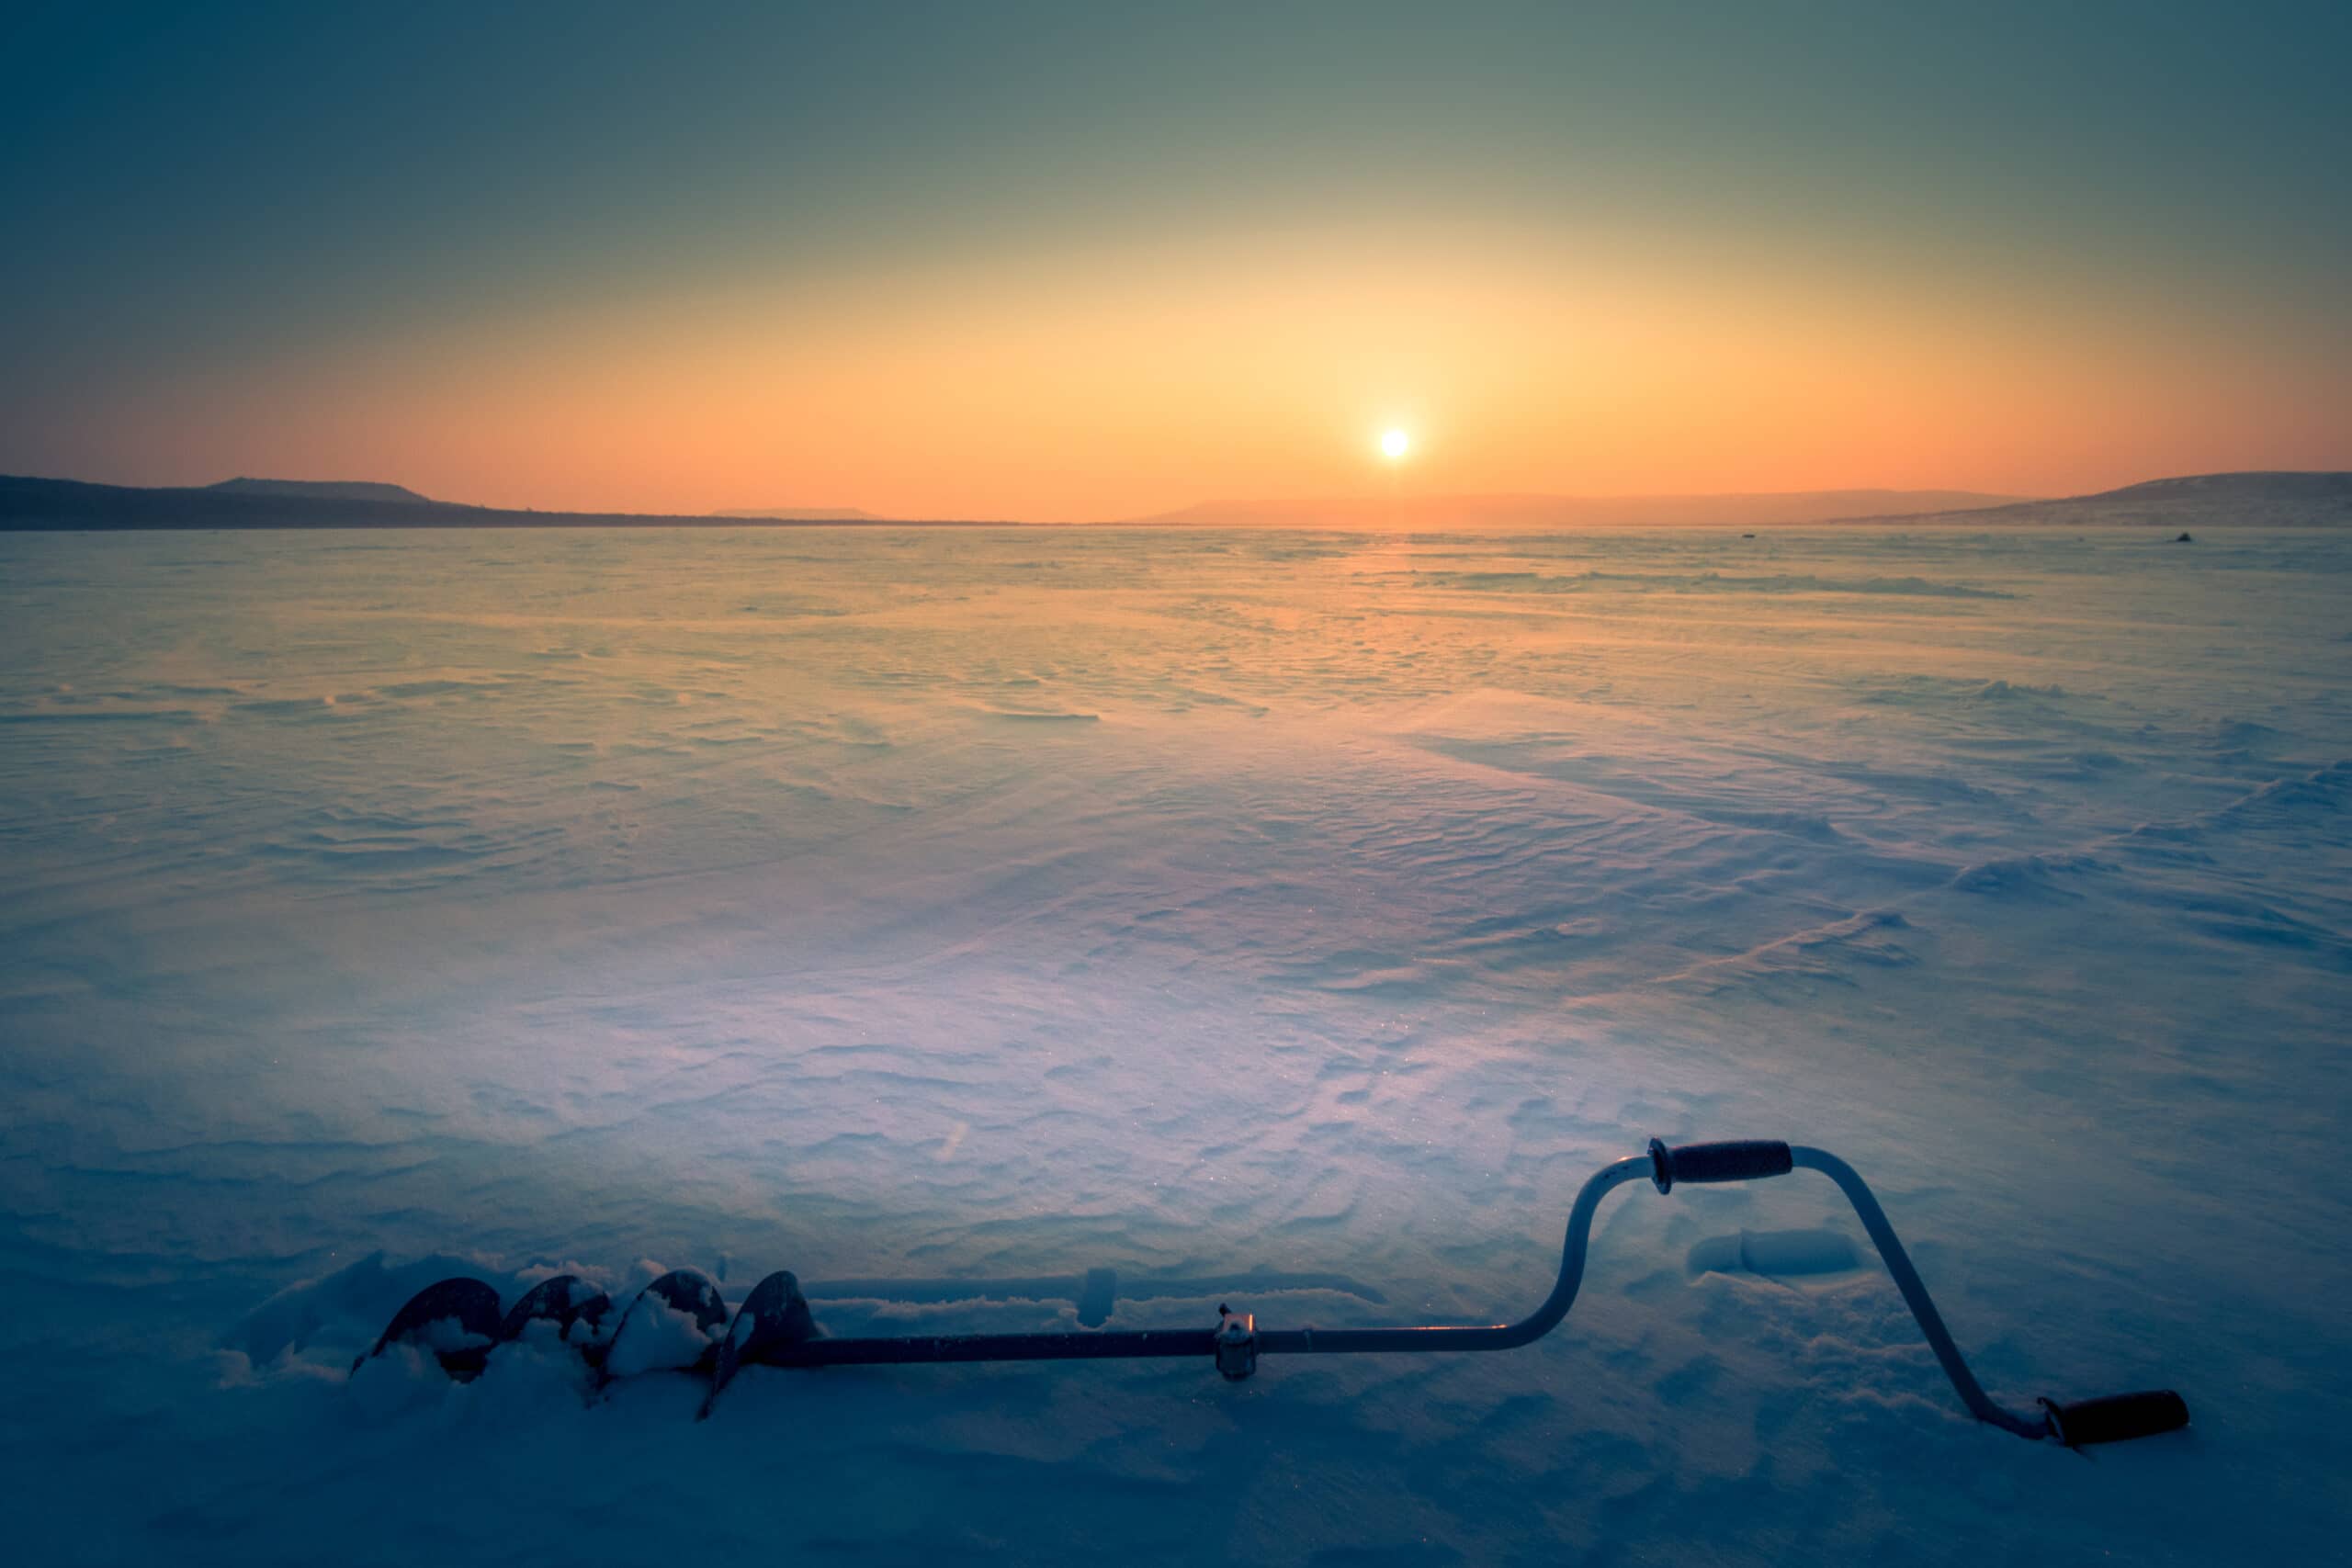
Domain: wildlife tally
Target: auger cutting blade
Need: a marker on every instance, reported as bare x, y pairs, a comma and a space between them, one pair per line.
773, 1315
577, 1309
673, 1324
457, 1319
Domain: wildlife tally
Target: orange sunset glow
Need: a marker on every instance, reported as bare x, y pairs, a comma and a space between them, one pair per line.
1103, 385
1070, 287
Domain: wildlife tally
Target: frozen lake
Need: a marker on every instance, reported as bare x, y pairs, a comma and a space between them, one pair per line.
981, 903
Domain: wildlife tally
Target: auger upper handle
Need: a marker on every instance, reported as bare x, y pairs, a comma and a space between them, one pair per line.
1740, 1159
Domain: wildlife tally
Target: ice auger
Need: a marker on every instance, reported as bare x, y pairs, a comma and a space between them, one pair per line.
460, 1321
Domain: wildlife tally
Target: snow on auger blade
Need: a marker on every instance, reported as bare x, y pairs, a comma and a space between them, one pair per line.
456, 1319
577, 1310
775, 1314
675, 1323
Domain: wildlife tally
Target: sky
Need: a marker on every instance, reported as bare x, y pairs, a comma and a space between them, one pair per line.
1094, 260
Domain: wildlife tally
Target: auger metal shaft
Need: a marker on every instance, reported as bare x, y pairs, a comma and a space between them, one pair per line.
1236, 1345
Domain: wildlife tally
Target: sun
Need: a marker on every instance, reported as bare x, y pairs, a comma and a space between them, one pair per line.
1395, 443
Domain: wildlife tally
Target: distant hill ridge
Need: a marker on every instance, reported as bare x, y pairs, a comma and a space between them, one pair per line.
2284, 499
27, 504
321, 490
2256, 499
2264, 484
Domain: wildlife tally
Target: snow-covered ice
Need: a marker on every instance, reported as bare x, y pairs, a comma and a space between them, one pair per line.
1015, 903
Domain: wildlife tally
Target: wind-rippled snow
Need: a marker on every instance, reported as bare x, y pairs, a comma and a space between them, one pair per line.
1015, 903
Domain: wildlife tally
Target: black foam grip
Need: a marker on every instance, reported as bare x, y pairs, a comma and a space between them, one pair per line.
1744, 1159
2117, 1417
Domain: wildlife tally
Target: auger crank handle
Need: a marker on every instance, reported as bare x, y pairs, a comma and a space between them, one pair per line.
1743, 1160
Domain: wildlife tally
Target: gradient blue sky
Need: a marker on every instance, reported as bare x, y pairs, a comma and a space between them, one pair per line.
1088, 261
